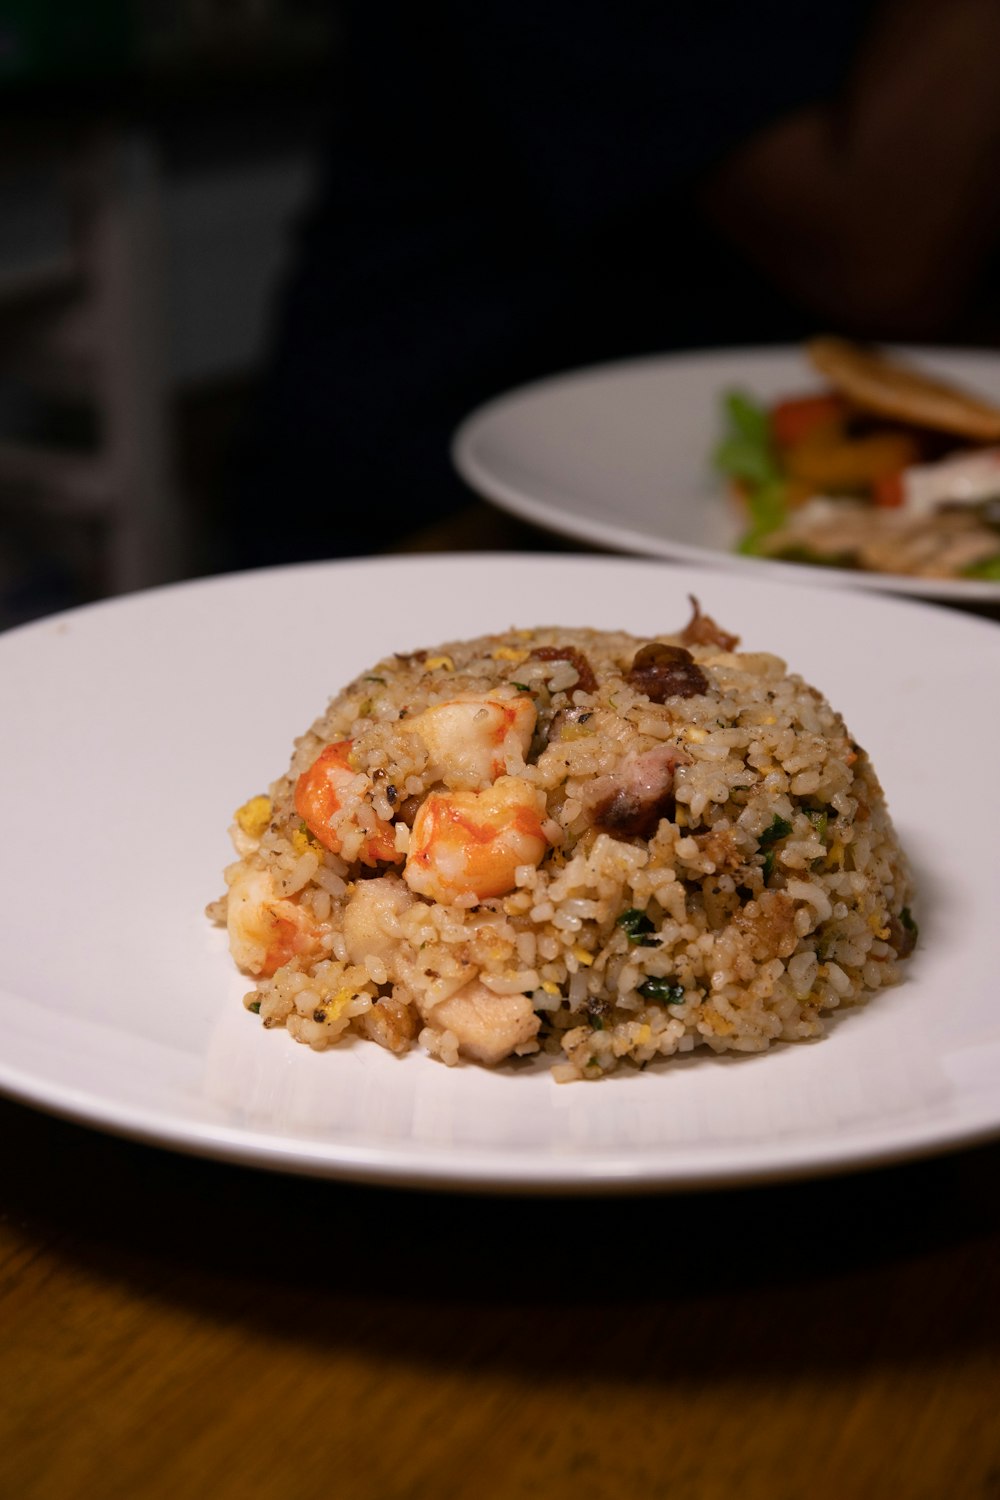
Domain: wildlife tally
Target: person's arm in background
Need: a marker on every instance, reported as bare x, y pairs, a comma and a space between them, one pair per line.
880, 211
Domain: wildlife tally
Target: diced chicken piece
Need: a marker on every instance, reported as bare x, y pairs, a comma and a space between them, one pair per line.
585, 679
371, 919
848, 532
488, 1027
470, 737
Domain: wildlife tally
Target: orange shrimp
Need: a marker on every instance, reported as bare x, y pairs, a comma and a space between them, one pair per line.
469, 844
265, 930
326, 789
472, 735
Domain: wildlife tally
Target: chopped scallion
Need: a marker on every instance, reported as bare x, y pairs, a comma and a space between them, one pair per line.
779, 828
637, 927
663, 991
819, 821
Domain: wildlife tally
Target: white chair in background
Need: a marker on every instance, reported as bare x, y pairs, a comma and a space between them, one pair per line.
86, 321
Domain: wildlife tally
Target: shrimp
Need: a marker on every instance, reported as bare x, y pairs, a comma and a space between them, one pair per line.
267, 930
331, 800
470, 737
466, 846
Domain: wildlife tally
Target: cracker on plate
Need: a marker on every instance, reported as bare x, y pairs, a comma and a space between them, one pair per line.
896, 390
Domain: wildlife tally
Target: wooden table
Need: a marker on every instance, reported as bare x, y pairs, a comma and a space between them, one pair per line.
179, 1328
174, 1328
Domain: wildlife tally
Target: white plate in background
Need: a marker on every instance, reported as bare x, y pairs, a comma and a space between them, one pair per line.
133, 728
619, 455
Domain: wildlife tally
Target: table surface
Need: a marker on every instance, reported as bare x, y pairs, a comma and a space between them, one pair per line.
174, 1327
178, 1327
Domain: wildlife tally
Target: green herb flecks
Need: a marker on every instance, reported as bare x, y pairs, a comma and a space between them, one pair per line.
254, 1007
778, 829
663, 992
820, 822
637, 927
522, 687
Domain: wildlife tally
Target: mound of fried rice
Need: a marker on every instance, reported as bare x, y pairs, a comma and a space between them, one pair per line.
715, 862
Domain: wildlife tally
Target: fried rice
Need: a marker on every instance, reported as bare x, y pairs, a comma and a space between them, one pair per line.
573, 842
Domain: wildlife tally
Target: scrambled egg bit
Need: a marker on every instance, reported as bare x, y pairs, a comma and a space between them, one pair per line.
253, 817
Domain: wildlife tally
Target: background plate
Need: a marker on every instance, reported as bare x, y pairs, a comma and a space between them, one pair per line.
132, 729
620, 456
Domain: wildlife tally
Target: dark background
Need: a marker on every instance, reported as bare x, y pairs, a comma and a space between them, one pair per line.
259, 257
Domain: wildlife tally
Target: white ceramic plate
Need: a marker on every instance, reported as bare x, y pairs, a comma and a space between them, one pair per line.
132, 729
620, 455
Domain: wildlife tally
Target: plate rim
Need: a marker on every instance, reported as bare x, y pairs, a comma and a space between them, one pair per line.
627, 540
476, 1171
471, 1168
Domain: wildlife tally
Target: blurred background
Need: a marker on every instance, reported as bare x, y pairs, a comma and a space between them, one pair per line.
154, 159
258, 257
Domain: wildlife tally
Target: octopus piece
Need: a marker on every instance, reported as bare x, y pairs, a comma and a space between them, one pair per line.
488, 1027
629, 802
661, 672
586, 681
701, 630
